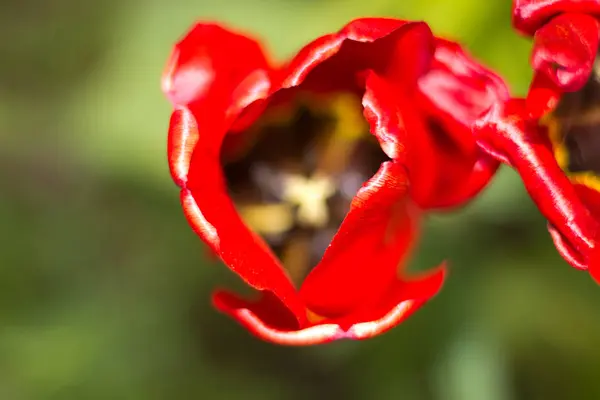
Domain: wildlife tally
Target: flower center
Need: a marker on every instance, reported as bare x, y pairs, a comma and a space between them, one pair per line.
293, 179
310, 195
574, 129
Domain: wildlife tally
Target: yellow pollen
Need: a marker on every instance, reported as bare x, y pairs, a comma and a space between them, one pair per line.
267, 219
310, 195
351, 124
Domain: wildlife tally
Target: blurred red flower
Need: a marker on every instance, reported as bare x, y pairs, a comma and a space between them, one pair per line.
273, 159
551, 138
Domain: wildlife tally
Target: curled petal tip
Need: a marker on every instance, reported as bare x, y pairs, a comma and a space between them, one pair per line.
573, 257
268, 320
530, 15
565, 48
399, 313
209, 59
415, 292
429, 282
182, 139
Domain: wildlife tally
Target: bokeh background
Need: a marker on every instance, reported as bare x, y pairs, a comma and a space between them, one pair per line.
104, 289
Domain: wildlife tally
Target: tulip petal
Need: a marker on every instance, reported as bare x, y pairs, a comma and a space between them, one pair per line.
529, 15
266, 317
403, 298
574, 258
459, 186
590, 197
382, 112
454, 93
397, 49
364, 255
211, 214
206, 61
543, 96
527, 149
258, 318
266, 306
210, 88
457, 91
396, 123
565, 49
205, 76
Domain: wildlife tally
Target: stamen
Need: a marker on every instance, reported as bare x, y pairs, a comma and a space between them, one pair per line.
268, 219
310, 195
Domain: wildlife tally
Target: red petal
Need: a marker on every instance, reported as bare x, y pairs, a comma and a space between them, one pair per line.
397, 49
591, 198
543, 96
457, 90
257, 318
529, 151
266, 318
363, 257
382, 112
212, 215
566, 250
529, 15
268, 308
218, 224
443, 175
397, 123
565, 48
402, 57
209, 57
403, 298
215, 73
451, 191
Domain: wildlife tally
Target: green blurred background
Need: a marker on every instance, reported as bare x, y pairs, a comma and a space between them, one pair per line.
104, 289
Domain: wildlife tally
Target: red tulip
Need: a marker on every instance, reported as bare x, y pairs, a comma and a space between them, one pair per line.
338, 151
551, 138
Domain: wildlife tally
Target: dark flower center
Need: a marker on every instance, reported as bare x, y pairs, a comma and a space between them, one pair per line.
578, 124
583, 143
293, 182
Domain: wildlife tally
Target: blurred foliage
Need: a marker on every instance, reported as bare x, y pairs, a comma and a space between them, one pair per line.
104, 289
